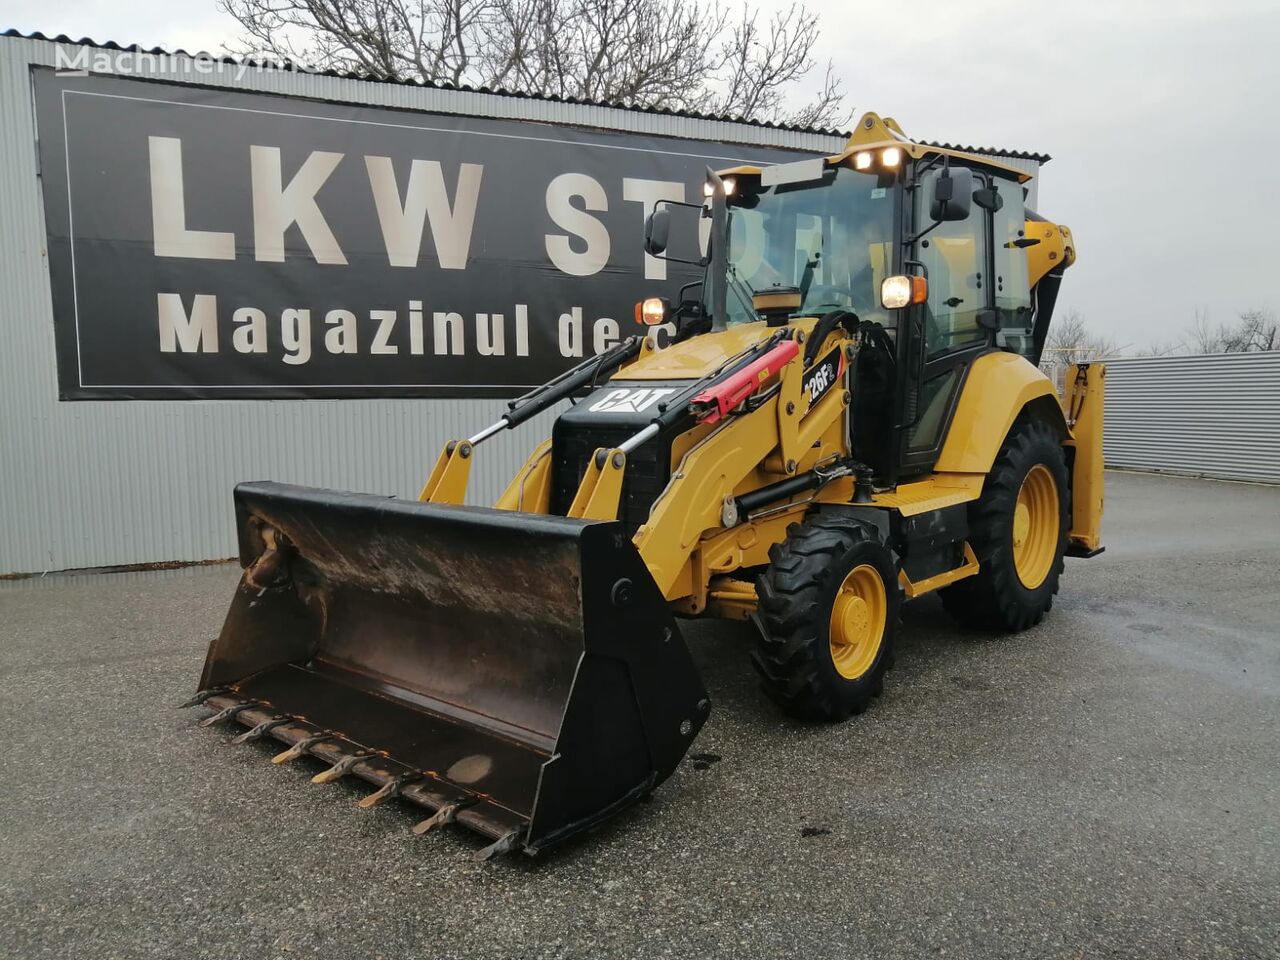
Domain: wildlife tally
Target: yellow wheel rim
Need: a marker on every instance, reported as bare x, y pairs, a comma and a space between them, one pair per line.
857, 621
1036, 520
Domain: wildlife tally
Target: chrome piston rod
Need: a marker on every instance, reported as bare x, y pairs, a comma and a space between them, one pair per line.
644, 435
544, 397
489, 431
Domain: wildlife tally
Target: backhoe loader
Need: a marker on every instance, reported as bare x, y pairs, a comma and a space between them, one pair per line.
848, 415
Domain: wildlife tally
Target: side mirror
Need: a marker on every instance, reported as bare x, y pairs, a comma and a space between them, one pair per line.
950, 193
657, 228
989, 198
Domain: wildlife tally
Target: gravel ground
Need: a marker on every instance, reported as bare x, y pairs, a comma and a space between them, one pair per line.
1106, 784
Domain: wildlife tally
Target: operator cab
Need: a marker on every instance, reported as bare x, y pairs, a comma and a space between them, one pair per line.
924, 249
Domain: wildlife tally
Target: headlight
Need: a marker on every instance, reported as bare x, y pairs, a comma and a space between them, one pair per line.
891, 156
652, 311
901, 290
730, 184
862, 161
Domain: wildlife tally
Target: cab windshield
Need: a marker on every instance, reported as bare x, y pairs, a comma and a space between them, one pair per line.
831, 238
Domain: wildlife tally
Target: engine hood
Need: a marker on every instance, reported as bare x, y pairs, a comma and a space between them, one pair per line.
697, 356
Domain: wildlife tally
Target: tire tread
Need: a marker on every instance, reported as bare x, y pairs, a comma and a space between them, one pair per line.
994, 599
792, 614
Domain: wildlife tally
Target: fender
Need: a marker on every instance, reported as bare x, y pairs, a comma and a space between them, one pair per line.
998, 387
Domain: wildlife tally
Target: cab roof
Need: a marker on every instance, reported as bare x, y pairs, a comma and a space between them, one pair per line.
874, 132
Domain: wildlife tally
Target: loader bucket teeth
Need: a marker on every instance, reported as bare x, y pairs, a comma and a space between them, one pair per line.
445, 815
500, 846
341, 768
300, 748
201, 697
225, 714
388, 790
524, 668
260, 731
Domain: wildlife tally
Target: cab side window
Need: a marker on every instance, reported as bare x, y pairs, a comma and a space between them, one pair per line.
955, 256
1012, 295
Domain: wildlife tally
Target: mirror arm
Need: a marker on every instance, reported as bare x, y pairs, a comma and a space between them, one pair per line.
679, 203
680, 296
910, 241
919, 170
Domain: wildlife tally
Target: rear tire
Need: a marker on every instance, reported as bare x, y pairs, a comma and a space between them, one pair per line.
1018, 529
828, 616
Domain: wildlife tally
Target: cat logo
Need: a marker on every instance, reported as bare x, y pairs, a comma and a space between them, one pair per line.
630, 400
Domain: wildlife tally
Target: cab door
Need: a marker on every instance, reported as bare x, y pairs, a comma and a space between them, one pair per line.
955, 325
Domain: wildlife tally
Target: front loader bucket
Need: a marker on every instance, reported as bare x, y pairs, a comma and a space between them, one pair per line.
519, 674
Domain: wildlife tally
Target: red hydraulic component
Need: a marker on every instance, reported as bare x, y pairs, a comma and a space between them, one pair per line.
719, 398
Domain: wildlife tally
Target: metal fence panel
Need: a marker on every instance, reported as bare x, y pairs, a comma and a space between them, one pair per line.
1212, 416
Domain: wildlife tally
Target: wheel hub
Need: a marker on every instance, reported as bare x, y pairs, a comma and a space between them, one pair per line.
1021, 523
1036, 527
858, 621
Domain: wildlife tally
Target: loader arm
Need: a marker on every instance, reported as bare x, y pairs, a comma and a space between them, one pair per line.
744, 452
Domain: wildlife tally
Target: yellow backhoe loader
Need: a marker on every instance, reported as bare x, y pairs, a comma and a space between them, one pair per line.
849, 415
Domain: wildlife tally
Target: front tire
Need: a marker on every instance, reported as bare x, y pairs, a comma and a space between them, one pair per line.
828, 613
1018, 529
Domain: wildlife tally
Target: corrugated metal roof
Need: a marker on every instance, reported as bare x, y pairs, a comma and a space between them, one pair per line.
1040, 158
499, 91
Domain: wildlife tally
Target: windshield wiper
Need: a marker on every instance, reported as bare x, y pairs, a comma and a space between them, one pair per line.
739, 286
806, 277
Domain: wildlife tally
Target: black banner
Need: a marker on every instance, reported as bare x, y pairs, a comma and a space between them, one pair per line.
206, 243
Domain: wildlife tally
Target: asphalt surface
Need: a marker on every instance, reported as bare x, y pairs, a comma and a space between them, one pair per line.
1106, 784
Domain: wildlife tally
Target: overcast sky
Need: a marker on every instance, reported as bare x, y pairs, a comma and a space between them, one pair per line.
1161, 118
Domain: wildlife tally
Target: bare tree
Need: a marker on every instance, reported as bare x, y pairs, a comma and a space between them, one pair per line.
757, 62
1071, 341
675, 54
1202, 335
1254, 331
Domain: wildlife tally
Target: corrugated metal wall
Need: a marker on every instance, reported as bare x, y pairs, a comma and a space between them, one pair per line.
1213, 416
92, 484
